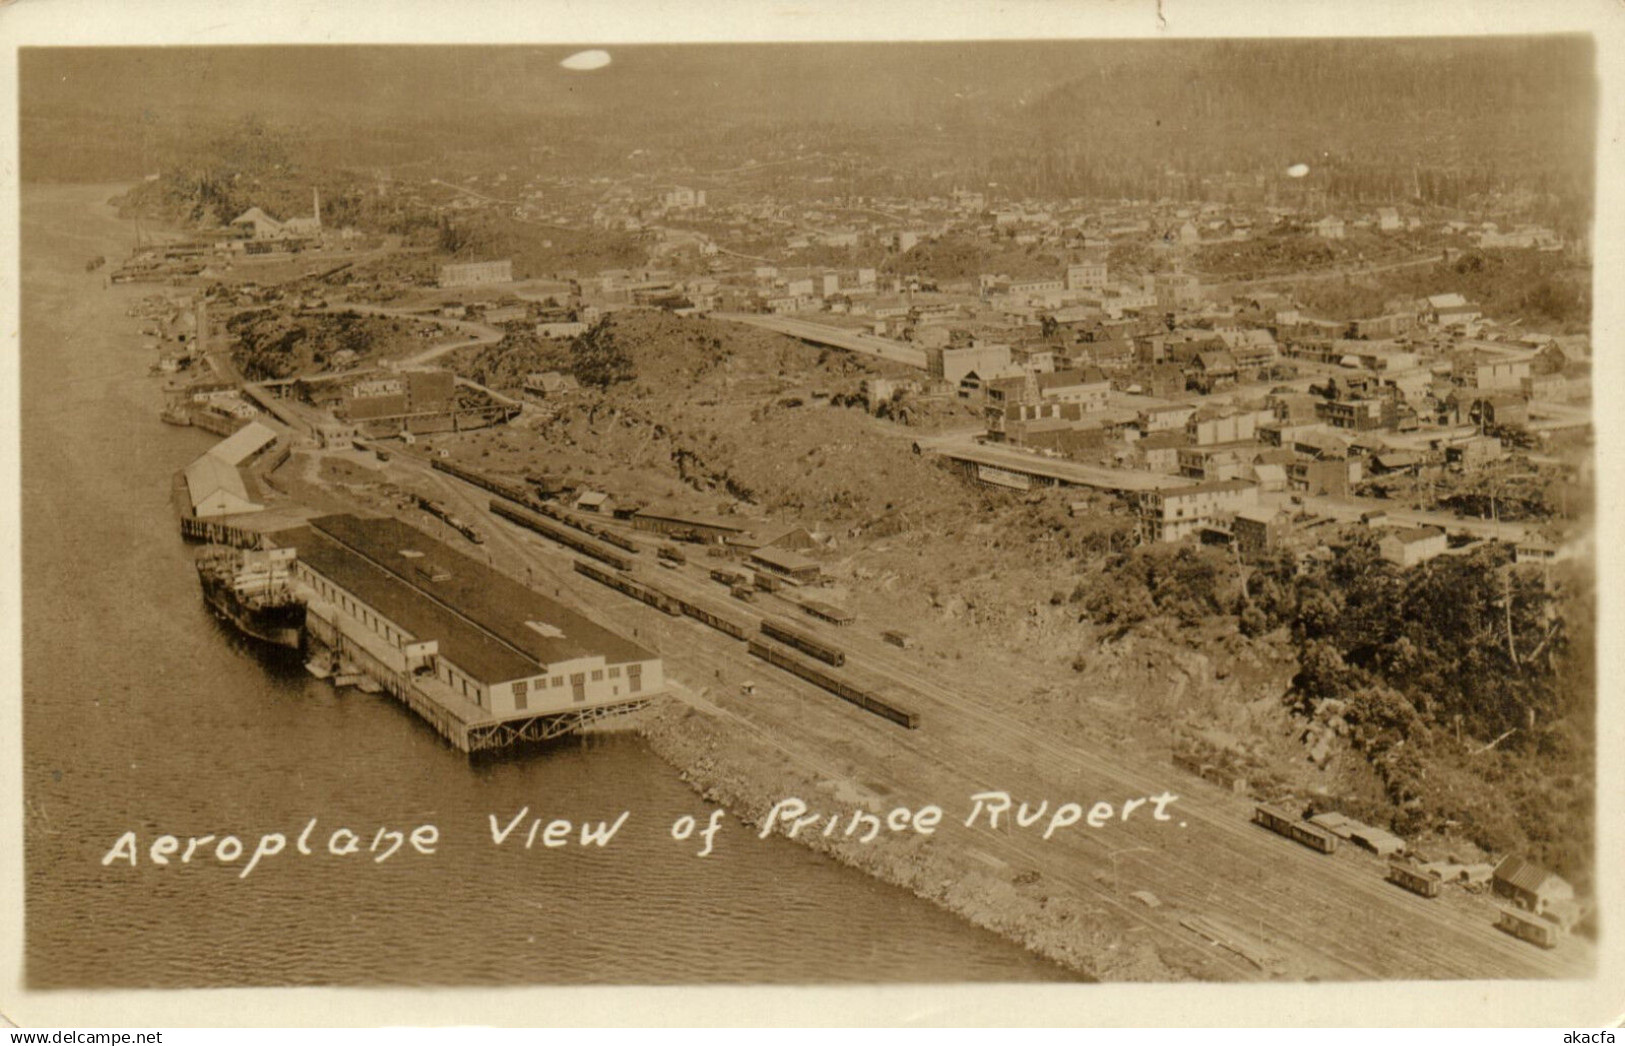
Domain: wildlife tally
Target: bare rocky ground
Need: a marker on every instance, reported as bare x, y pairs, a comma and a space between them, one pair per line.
722, 420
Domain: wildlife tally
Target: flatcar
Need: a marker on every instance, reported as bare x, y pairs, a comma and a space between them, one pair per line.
807, 644
1294, 828
1527, 927
1417, 882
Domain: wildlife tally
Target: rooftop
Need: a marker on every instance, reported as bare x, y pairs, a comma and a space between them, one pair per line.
460, 601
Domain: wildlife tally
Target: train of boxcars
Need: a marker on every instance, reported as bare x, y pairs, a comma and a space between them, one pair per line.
444, 514
578, 534
1522, 925
594, 541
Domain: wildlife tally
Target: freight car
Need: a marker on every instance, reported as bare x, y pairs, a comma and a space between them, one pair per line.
864, 699
1295, 829
630, 587
672, 554
825, 652
728, 577
511, 491
1417, 882
1527, 928
827, 612
586, 546
520, 495
716, 621
445, 515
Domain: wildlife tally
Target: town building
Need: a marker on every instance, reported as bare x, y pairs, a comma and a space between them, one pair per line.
1086, 275
1257, 529
1090, 388
952, 364
1177, 512
471, 274
1408, 546
1447, 309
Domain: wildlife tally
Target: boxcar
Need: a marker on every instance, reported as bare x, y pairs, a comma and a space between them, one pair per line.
846, 691
807, 644
1417, 882
1527, 927
1294, 828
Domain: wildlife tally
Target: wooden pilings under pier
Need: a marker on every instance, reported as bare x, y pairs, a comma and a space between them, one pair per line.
465, 726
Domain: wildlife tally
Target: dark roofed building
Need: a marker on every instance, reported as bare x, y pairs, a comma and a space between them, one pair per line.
787, 564
688, 526
1212, 370
1528, 885
480, 636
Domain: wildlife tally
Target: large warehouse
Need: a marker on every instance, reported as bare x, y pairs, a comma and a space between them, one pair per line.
474, 640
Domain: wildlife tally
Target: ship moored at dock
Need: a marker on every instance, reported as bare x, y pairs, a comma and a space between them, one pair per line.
251, 589
484, 660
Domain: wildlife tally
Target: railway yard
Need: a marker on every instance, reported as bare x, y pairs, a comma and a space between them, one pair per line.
1205, 894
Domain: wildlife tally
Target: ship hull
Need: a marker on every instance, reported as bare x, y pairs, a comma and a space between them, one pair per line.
279, 626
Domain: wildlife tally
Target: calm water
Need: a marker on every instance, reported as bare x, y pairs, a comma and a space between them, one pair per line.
142, 714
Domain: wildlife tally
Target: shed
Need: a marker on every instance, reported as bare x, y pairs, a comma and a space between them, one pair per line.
1528, 885
1380, 842
244, 443
786, 564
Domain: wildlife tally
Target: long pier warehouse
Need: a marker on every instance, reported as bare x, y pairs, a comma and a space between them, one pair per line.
484, 659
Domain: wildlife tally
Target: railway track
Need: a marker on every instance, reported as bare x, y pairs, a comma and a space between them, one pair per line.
1456, 947
1258, 884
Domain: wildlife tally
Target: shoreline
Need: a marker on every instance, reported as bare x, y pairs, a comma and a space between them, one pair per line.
724, 768
726, 759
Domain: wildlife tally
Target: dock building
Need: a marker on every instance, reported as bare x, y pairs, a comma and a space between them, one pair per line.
485, 660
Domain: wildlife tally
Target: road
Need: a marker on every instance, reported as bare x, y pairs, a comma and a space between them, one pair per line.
833, 337
477, 333
1296, 913
1071, 472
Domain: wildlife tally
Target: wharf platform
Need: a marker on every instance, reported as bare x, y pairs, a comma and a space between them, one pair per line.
465, 725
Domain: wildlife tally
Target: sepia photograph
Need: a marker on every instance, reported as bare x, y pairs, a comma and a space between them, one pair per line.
1057, 512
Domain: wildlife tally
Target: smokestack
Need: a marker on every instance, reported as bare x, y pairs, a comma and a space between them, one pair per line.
316, 195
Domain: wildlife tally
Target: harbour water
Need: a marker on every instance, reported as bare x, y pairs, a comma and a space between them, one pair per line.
141, 713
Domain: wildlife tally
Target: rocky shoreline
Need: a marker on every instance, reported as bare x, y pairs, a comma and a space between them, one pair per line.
728, 768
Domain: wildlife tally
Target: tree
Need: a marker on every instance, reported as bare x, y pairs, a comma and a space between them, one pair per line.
597, 359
